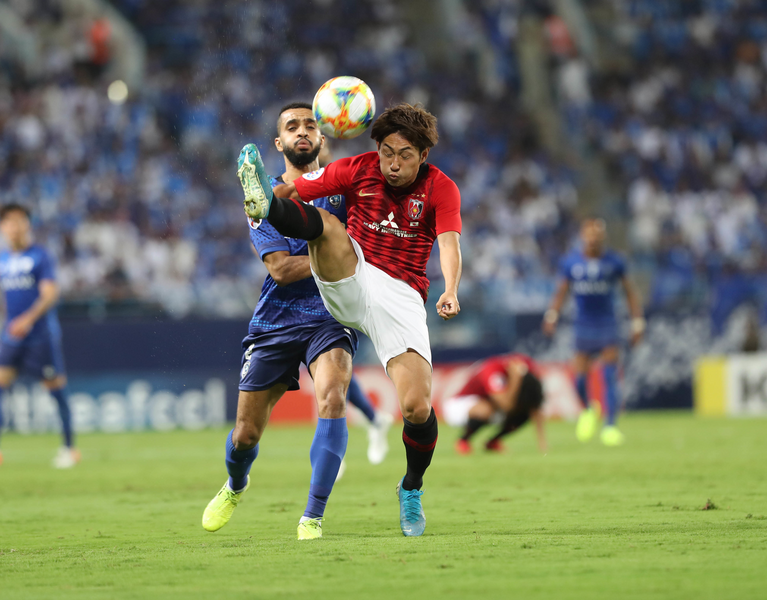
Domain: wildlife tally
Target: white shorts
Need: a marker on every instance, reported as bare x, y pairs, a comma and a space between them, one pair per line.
387, 310
455, 410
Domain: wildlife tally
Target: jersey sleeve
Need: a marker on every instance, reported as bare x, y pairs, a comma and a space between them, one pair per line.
266, 238
336, 178
447, 211
46, 267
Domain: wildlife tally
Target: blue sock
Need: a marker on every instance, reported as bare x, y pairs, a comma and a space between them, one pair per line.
358, 398
611, 392
583, 394
328, 449
62, 399
238, 463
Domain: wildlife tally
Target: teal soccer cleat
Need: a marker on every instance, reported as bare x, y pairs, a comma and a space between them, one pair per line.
412, 521
255, 182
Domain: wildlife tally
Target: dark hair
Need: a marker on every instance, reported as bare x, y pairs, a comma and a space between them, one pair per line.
7, 209
417, 125
530, 393
291, 106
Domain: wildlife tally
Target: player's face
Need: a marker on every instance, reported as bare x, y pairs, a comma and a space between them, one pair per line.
15, 228
593, 233
400, 160
300, 138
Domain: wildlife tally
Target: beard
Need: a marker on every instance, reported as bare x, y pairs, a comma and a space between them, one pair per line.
301, 158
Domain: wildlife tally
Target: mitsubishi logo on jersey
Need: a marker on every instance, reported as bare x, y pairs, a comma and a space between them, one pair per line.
389, 226
390, 222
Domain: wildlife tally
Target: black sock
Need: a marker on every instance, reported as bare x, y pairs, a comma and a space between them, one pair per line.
513, 421
296, 219
472, 427
419, 448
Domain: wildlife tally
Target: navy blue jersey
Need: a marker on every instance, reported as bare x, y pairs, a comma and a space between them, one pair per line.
298, 302
593, 282
20, 277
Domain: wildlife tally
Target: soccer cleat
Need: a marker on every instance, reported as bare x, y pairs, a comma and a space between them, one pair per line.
378, 438
255, 182
611, 436
588, 422
66, 458
494, 446
463, 447
412, 520
220, 509
311, 529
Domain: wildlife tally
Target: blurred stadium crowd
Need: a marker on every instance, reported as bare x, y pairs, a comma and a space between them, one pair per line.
140, 202
685, 132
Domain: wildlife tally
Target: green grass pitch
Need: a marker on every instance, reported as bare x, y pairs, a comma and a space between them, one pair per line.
583, 522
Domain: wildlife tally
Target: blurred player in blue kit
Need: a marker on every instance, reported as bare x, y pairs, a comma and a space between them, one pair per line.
290, 325
31, 337
592, 273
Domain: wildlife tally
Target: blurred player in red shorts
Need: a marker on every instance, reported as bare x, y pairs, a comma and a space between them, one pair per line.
501, 387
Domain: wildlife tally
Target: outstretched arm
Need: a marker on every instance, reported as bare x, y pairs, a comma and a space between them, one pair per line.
451, 263
286, 190
551, 318
635, 308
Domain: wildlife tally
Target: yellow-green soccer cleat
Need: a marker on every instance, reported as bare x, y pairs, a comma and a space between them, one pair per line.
220, 509
611, 436
255, 182
311, 529
588, 423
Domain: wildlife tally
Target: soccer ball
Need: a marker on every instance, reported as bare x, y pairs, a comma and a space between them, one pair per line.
344, 107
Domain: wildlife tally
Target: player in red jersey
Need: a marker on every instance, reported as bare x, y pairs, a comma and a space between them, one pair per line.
506, 387
373, 278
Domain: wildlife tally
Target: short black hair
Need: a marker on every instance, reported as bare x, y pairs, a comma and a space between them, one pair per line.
291, 106
7, 209
530, 393
413, 122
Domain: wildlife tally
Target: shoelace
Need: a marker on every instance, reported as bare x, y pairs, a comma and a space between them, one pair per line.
412, 501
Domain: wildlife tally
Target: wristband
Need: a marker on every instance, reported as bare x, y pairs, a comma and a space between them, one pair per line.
638, 325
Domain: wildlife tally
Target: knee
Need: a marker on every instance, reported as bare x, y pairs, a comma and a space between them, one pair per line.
246, 436
332, 404
416, 409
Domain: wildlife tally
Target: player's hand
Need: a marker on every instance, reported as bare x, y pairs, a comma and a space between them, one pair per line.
549, 328
447, 306
20, 326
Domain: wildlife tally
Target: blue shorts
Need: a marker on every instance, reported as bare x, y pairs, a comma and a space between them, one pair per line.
40, 358
273, 357
592, 338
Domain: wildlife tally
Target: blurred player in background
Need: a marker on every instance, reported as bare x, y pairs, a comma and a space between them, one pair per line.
593, 273
506, 388
373, 278
31, 338
290, 325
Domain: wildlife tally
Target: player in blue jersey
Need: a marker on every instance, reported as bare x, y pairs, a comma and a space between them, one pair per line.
592, 274
31, 337
290, 325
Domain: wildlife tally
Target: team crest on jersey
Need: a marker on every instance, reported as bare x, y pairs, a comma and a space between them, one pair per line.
335, 201
314, 174
415, 209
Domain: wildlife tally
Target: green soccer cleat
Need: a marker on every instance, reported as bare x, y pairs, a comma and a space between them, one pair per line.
220, 509
311, 529
255, 182
588, 423
611, 436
